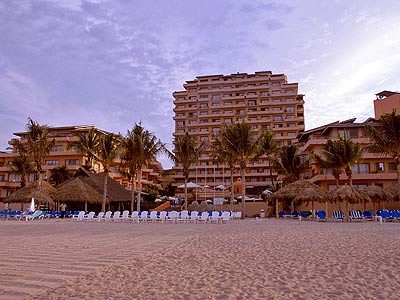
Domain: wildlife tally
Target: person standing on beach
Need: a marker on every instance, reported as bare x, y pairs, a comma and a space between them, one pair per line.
63, 208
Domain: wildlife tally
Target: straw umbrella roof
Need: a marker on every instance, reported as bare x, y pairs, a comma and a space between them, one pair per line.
393, 191
297, 189
348, 193
311, 194
42, 193
115, 191
76, 190
376, 193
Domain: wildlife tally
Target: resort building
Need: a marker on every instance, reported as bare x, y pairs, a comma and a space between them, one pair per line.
385, 102
64, 153
371, 169
265, 100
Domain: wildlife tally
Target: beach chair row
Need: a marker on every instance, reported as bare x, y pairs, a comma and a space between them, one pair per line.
161, 217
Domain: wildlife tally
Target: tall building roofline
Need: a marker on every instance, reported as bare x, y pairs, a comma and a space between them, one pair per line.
385, 94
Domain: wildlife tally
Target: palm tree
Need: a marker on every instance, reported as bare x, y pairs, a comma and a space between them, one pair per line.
351, 154
21, 165
39, 143
220, 154
289, 163
268, 146
331, 158
139, 149
59, 175
385, 137
106, 152
186, 152
87, 143
239, 146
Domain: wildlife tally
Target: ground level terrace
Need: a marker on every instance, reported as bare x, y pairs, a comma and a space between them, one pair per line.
243, 259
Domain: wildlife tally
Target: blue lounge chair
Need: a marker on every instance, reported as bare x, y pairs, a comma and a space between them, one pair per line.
355, 215
37, 215
320, 215
337, 215
384, 214
368, 215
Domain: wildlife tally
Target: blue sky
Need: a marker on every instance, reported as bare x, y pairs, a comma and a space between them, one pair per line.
112, 63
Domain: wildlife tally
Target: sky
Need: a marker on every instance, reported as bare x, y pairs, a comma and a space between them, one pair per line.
114, 63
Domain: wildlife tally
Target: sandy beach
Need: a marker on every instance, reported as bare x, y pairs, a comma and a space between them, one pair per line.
245, 259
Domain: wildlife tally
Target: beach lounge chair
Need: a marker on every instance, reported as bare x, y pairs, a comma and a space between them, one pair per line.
79, 216
153, 216
203, 217
215, 217
100, 216
355, 215
143, 216
37, 215
172, 216
107, 216
337, 215
162, 216
89, 216
115, 216
193, 217
320, 215
384, 214
396, 215
226, 217
135, 216
125, 216
282, 214
237, 215
183, 216
368, 215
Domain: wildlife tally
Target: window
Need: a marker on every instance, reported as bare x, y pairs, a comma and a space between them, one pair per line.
202, 121
278, 126
276, 92
350, 133
276, 84
266, 118
52, 162
380, 167
2, 177
289, 100
215, 129
216, 97
291, 125
193, 98
14, 178
360, 169
203, 130
204, 97
251, 94
71, 162
215, 112
264, 94
240, 112
227, 112
180, 131
290, 117
204, 105
291, 134
266, 127
278, 118
290, 109
276, 100
277, 108
204, 138
252, 103
252, 110
32, 177
180, 114
180, 98
74, 148
227, 121
392, 166
57, 148
180, 123
264, 101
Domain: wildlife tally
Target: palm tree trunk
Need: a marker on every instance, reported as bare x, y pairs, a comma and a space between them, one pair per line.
133, 194
270, 172
103, 205
243, 175
139, 187
186, 195
232, 190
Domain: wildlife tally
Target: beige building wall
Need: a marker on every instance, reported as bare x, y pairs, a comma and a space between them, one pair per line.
265, 100
385, 103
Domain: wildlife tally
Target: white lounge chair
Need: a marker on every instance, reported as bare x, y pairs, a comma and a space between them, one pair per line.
215, 217
226, 216
135, 216
193, 217
107, 216
237, 215
153, 216
89, 216
203, 217
172, 216
100, 216
79, 216
143, 216
183, 216
125, 216
162, 217
116, 215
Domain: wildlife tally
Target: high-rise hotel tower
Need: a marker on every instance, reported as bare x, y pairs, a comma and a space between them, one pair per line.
265, 100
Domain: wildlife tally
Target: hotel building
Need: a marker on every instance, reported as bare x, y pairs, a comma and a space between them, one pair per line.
265, 100
385, 102
65, 152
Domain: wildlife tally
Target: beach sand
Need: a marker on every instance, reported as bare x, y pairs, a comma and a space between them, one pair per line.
245, 259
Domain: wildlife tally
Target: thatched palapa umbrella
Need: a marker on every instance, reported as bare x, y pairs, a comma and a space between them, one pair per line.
393, 191
297, 189
348, 194
312, 194
41, 192
377, 194
76, 190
